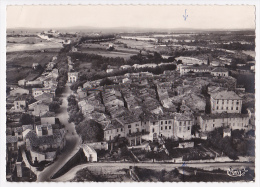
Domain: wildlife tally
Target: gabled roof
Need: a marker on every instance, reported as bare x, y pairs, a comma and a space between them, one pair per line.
182, 117
48, 114
115, 124
223, 115
219, 69
229, 95
43, 96
11, 139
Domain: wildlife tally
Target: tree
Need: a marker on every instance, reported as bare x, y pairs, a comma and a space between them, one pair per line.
54, 106
90, 131
106, 81
72, 100
26, 119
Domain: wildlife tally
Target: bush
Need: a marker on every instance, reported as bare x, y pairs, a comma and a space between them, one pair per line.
90, 131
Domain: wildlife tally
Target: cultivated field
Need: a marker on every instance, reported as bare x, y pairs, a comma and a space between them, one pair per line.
19, 64
100, 49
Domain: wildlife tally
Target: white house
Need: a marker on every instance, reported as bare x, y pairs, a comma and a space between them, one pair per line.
73, 76
225, 101
209, 122
219, 72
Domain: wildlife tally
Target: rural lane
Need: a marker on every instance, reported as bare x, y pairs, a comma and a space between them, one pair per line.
72, 140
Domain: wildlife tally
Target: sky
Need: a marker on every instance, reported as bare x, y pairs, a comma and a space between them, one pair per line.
137, 16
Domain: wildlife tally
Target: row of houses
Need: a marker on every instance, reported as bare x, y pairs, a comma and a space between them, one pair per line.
45, 137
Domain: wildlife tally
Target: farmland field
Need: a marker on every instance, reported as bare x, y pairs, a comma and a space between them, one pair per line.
19, 64
100, 49
251, 53
11, 47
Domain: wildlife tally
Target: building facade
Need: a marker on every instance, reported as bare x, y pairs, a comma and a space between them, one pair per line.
225, 101
225, 120
73, 76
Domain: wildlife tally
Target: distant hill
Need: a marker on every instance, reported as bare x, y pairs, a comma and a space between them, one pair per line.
87, 29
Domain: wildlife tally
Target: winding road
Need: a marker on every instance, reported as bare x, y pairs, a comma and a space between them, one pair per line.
72, 140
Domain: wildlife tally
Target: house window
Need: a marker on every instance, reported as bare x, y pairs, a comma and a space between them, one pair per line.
217, 107
129, 126
223, 102
153, 123
170, 127
180, 123
161, 128
165, 127
161, 122
217, 101
236, 108
237, 103
130, 131
179, 129
227, 101
107, 132
153, 130
222, 108
226, 108
213, 125
116, 130
188, 128
121, 129
213, 120
231, 108
165, 122
169, 122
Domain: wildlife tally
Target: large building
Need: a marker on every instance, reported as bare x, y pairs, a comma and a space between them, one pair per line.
233, 121
225, 101
196, 69
219, 72
174, 126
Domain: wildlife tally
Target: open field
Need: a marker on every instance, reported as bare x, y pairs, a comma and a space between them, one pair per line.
24, 40
31, 47
24, 43
137, 44
100, 49
250, 53
19, 64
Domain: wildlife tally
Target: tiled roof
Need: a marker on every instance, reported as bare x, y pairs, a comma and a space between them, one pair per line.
43, 96
219, 69
182, 117
115, 124
11, 139
225, 95
27, 127
227, 130
223, 115
36, 141
18, 129
48, 114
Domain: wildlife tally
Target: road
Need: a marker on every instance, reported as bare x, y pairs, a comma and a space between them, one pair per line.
166, 166
72, 140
